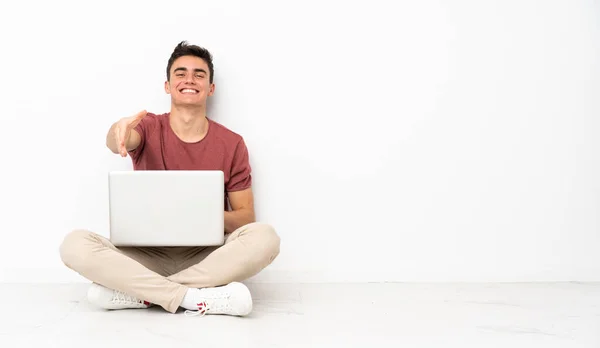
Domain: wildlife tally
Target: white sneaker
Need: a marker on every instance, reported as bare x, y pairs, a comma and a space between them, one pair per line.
231, 299
112, 299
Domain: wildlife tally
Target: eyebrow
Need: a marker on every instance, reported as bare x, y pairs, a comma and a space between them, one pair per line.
185, 69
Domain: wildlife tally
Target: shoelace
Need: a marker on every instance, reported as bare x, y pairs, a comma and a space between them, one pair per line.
219, 304
122, 298
202, 309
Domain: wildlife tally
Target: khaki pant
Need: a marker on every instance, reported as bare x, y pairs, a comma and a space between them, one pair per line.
162, 275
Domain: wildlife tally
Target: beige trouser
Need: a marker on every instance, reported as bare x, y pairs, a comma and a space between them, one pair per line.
162, 275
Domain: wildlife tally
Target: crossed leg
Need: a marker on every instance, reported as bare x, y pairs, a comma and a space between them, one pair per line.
163, 277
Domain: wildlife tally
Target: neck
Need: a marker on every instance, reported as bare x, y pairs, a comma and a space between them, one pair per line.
190, 124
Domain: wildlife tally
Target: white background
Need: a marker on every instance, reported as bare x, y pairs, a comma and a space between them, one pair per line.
390, 141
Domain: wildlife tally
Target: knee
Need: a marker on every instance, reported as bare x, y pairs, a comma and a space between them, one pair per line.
72, 249
268, 239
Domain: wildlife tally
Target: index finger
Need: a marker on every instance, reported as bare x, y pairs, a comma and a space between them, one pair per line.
135, 119
140, 115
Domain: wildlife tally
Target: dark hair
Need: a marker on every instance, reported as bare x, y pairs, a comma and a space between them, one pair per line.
185, 49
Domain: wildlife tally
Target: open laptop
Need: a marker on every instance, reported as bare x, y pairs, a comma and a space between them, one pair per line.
166, 208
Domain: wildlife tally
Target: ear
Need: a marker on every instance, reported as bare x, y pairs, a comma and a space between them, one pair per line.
211, 90
167, 87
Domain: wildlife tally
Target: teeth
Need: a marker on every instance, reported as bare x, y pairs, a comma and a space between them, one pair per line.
188, 91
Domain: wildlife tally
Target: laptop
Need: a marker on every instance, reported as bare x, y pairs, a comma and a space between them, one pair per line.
166, 208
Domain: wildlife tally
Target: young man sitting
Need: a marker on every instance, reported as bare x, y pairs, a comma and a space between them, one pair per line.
202, 280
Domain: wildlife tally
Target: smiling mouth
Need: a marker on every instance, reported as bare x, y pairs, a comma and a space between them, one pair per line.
188, 91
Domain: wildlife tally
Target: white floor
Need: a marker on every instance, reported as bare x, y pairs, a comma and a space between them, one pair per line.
319, 315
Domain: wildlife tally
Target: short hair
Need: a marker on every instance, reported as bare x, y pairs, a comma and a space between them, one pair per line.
185, 49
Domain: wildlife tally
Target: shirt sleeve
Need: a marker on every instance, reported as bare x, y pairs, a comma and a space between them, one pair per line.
241, 174
143, 128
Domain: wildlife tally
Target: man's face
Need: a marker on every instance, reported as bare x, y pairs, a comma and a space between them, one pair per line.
189, 82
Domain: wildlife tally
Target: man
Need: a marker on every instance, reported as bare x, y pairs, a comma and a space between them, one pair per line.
202, 280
